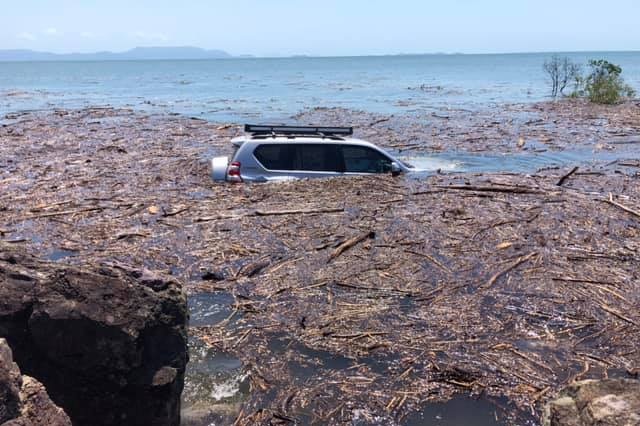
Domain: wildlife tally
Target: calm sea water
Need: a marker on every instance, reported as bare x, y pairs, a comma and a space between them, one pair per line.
274, 89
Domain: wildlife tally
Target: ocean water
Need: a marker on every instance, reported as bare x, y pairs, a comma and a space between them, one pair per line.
238, 90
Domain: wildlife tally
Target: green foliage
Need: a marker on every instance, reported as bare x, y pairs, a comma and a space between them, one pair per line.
604, 85
575, 94
578, 86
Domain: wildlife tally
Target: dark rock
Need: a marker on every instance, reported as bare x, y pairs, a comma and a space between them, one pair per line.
37, 407
23, 400
164, 376
596, 402
10, 383
108, 342
213, 276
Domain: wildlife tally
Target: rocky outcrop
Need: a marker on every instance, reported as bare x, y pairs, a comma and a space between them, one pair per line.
10, 384
23, 400
107, 341
613, 402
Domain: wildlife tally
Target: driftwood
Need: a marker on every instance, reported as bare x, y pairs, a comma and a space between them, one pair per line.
567, 176
381, 120
483, 188
621, 206
512, 266
298, 211
285, 285
61, 213
350, 243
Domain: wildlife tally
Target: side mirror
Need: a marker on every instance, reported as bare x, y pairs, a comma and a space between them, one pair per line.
395, 169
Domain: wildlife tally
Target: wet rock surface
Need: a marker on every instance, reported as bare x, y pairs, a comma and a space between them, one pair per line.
23, 400
109, 342
612, 402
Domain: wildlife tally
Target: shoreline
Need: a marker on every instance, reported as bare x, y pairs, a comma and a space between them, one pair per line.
380, 324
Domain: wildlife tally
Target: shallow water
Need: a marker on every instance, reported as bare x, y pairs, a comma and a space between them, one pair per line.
274, 89
215, 386
522, 162
209, 308
215, 382
60, 254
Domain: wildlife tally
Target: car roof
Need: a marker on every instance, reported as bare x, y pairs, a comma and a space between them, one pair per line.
238, 141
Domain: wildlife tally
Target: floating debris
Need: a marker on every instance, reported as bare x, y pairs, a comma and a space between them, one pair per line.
355, 299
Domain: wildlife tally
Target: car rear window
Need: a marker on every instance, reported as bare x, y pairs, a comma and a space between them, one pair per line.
300, 157
361, 159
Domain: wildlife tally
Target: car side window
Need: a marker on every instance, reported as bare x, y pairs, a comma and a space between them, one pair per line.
361, 159
276, 156
299, 157
317, 158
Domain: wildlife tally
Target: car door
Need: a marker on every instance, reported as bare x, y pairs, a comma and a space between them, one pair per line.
359, 160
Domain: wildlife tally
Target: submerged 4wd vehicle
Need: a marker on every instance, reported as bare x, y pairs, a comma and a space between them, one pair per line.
289, 152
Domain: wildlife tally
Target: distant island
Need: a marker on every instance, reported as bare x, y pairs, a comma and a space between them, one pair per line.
136, 54
154, 53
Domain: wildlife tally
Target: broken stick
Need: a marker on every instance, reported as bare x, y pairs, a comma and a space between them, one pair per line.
350, 243
520, 261
567, 176
301, 211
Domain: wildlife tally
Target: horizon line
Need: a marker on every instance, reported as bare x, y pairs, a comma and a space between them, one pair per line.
284, 56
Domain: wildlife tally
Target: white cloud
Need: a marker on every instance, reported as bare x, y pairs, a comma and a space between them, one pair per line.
146, 36
26, 36
50, 31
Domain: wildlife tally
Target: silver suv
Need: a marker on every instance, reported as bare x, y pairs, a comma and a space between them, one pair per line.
290, 152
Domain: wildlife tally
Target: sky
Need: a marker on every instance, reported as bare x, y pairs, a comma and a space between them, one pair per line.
322, 27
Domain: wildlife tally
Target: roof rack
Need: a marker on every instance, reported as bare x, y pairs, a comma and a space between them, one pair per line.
297, 130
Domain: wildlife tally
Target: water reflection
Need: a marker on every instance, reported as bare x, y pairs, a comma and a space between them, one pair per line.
59, 254
464, 411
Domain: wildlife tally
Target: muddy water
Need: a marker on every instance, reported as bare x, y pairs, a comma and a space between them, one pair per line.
525, 162
462, 410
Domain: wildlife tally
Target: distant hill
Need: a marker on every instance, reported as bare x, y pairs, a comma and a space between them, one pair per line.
139, 53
